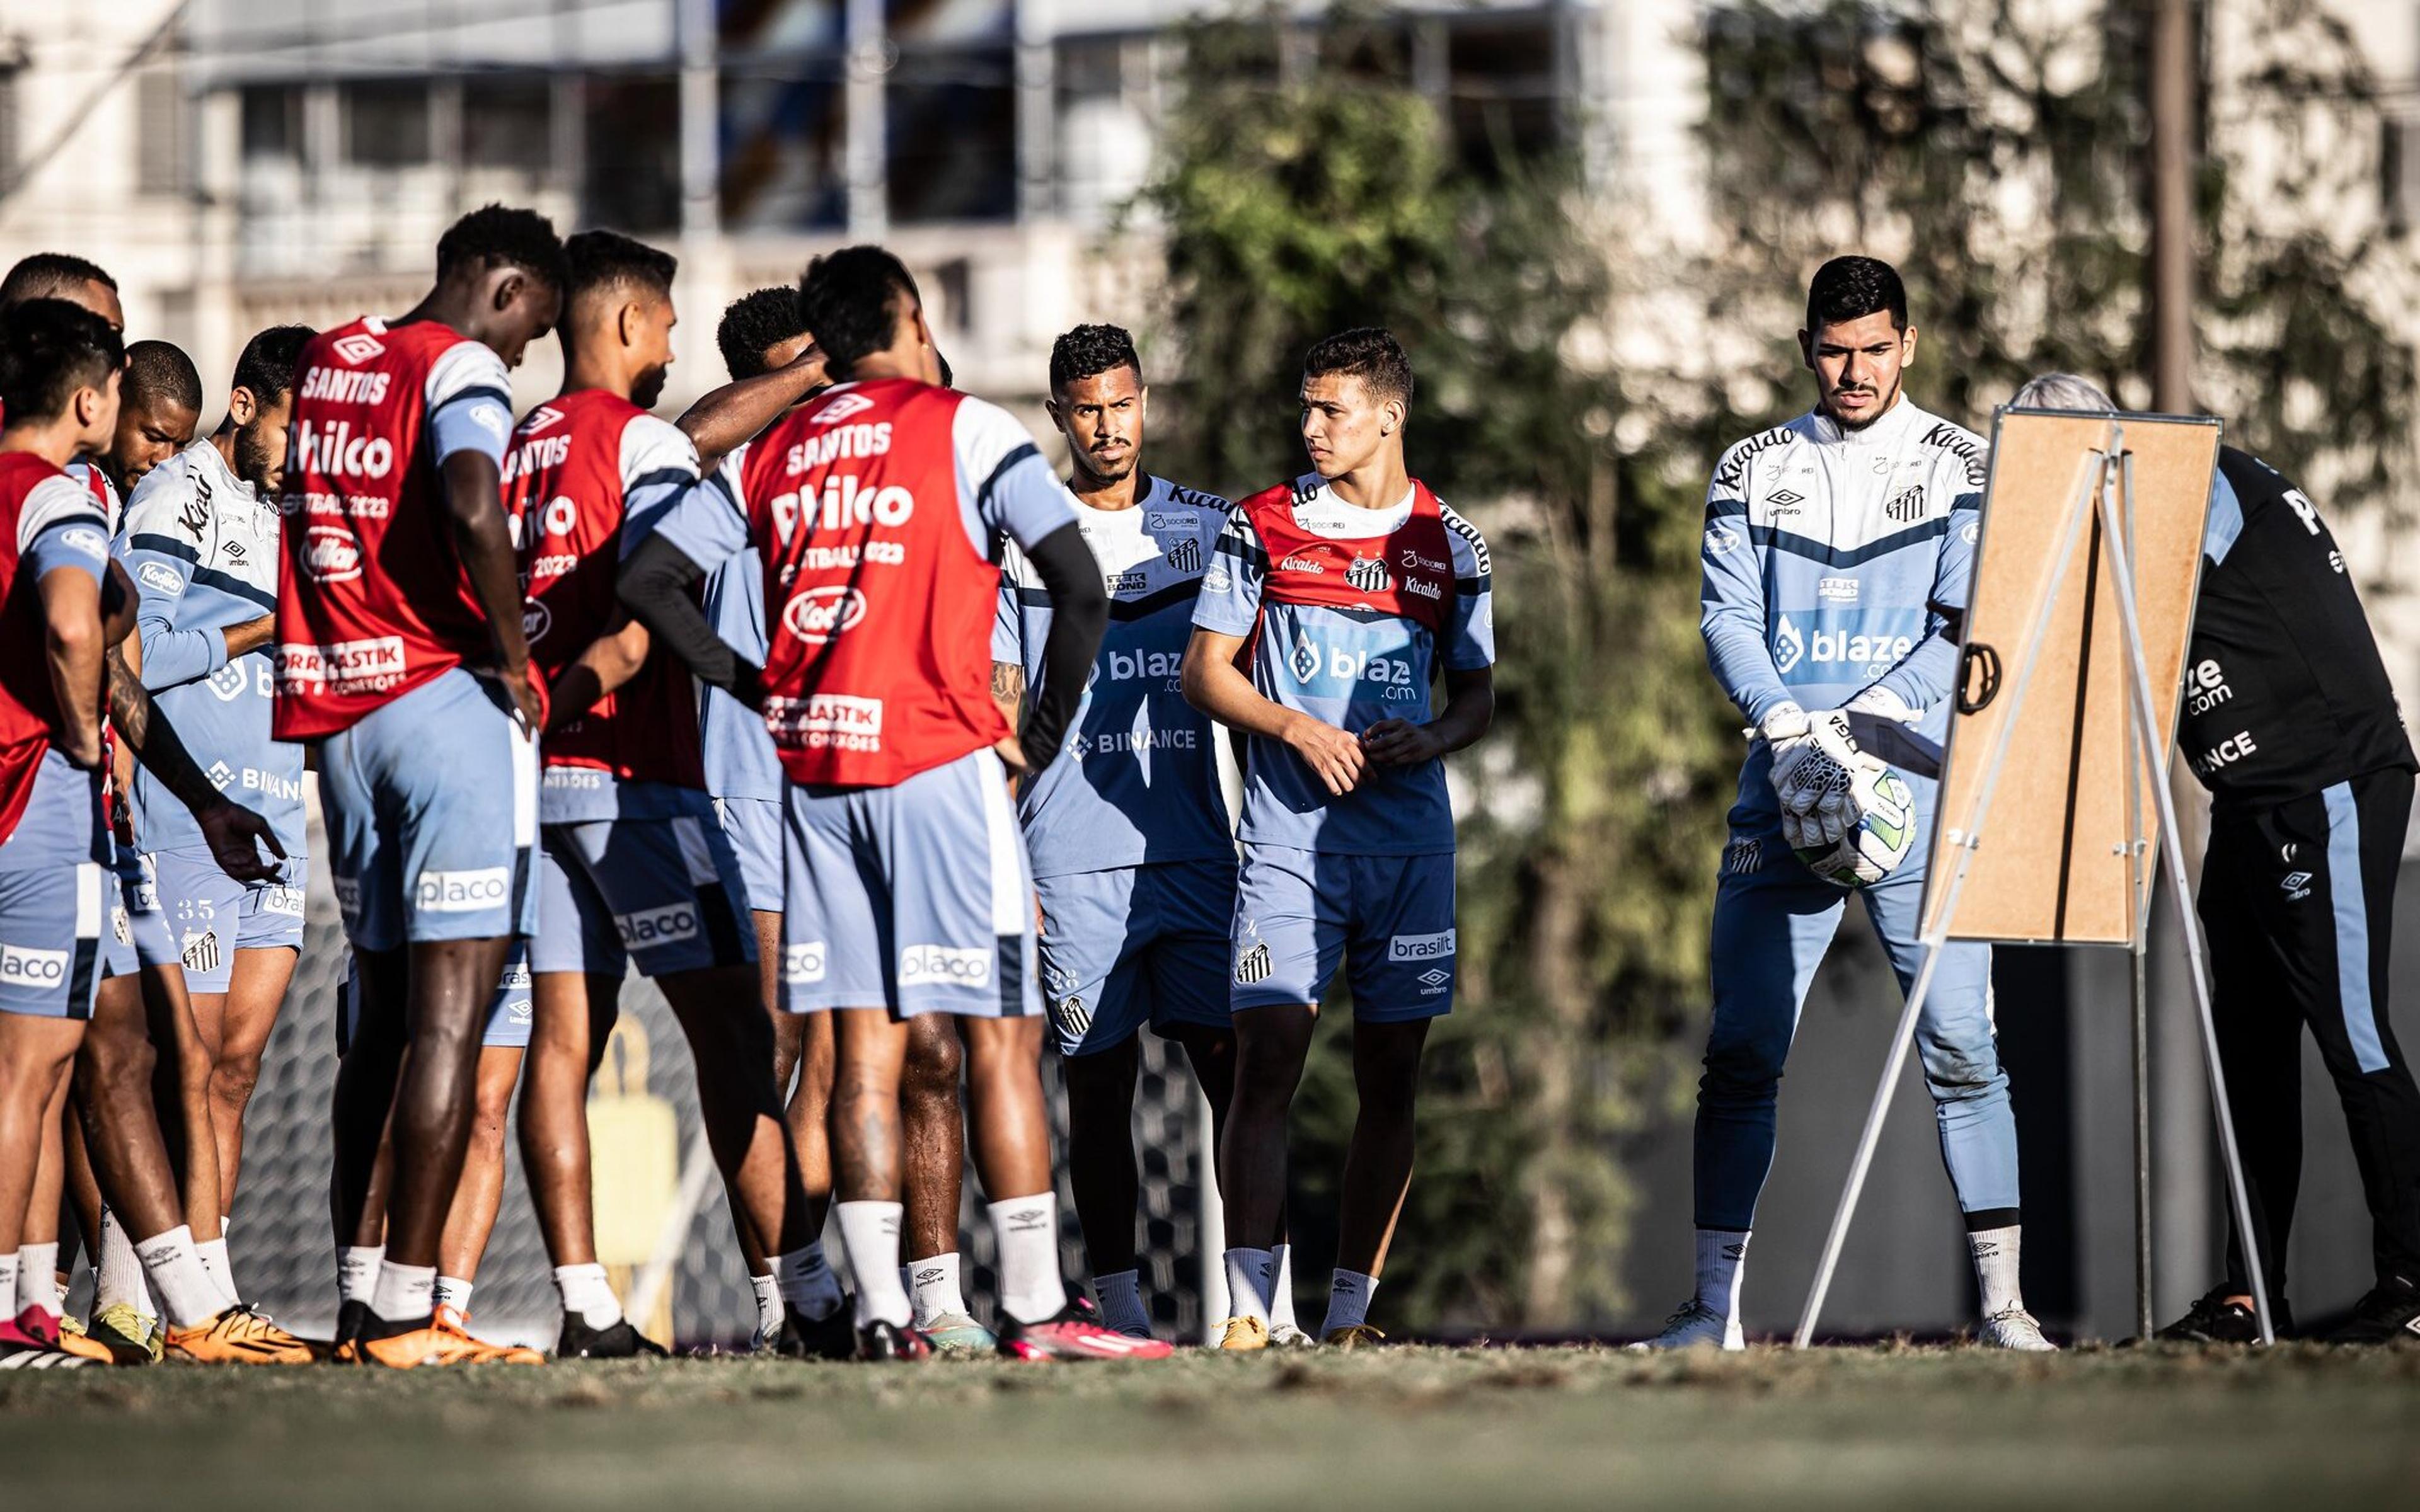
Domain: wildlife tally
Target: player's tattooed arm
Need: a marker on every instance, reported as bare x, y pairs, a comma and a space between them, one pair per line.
475, 515
611, 660
734, 415
1008, 690
234, 832
1470, 708
1214, 684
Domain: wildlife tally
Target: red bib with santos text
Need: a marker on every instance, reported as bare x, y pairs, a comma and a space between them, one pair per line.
877, 605
1408, 572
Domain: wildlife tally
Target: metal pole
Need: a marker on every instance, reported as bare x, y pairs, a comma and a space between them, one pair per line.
2139, 890
2172, 66
868, 148
2172, 843
2078, 511
701, 110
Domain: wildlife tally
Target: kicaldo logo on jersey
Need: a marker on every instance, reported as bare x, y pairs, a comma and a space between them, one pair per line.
668, 925
334, 450
1873, 653
820, 613
366, 666
926, 965
25, 966
330, 554
1438, 947
463, 892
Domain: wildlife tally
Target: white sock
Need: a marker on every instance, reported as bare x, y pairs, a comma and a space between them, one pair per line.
803, 1282
452, 1291
1120, 1293
1995, 1250
214, 1259
769, 1311
357, 1271
586, 1292
187, 1294
8, 1287
404, 1293
1722, 1258
1033, 1289
933, 1288
1281, 1290
37, 1279
1250, 1274
870, 1232
1348, 1299
118, 1275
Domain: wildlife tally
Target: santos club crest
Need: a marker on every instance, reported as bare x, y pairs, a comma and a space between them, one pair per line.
1368, 574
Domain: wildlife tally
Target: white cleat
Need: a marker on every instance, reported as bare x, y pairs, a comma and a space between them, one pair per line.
1695, 1326
1288, 1336
2014, 1328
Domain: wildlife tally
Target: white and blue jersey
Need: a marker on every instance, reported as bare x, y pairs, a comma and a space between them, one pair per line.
202, 549
1828, 555
1137, 781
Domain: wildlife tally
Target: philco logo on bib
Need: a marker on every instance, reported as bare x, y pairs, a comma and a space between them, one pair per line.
463, 892
926, 964
1420, 946
820, 613
803, 964
669, 925
23, 967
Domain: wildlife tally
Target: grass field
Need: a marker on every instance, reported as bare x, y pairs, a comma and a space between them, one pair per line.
1409, 1427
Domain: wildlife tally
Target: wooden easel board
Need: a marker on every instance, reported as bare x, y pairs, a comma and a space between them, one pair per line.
2051, 864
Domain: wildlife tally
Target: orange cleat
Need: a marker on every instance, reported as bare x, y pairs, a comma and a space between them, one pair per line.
239, 1336
459, 1322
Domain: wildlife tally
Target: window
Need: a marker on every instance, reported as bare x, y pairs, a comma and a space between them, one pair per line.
634, 151
952, 133
163, 146
272, 122
386, 124
508, 123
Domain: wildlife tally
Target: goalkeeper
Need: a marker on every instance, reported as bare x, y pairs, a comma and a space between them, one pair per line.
1828, 542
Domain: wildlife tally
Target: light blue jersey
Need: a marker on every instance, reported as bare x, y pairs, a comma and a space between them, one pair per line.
1139, 780
202, 550
738, 751
1826, 555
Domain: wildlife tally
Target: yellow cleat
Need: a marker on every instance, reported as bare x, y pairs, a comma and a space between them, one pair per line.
239, 1335
1358, 1336
1245, 1334
130, 1338
457, 1321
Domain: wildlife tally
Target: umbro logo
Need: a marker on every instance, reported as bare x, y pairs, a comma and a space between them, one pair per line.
540, 418
842, 408
358, 348
2296, 885
1435, 976
1786, 502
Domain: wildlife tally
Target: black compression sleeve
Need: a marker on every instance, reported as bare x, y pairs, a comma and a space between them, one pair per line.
1080, 611
655, 586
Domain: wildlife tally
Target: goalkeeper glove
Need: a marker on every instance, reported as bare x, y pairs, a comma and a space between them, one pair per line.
1812, 779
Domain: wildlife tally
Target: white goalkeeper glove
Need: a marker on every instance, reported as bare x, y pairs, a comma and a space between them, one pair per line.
1883, 703
1813, 780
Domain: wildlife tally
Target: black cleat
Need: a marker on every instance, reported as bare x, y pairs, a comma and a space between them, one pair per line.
2389, 1314
2214, 1319
352, 1320
832, 1337
621, 1341
880, 1341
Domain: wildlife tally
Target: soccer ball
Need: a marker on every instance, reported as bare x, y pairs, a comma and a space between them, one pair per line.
1879, 843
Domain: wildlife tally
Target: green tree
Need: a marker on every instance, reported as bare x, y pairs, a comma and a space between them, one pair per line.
1291, 208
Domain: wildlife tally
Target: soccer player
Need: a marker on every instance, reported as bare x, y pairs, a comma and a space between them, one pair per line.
634, 869
59, 375
159, 411
1829, 541
774, 365
1134, 862
875, 507
1333, 603
400, 652
2290, 722
201, 542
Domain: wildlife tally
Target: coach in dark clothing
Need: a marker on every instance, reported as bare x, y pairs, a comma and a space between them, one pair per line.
2290, 722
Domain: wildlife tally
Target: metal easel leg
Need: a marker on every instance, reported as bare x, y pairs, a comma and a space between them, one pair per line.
2139, 997
2171, 843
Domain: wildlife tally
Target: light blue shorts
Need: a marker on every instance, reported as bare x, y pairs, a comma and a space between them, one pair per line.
138, 928
212, 916
1389, 919
57, 903
754, 827
664, 893
1135, 945
432, 805
914, 898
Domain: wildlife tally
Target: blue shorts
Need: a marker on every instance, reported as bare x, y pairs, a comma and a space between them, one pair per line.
139, 935
1390, 918
914, 898
56, 901
1135, 945
664, 893
754, 827
509, 1012
432, 805
211, 915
